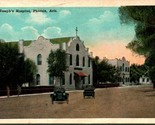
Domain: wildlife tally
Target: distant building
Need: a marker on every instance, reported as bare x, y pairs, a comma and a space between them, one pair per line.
144, 80
123, 67
79, 71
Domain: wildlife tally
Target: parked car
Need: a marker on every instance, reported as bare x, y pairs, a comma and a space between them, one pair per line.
89, 90
59, 94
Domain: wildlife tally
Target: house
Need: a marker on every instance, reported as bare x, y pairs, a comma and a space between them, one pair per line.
79, 63
144, 80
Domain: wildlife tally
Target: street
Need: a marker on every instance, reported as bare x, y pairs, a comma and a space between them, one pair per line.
121, 102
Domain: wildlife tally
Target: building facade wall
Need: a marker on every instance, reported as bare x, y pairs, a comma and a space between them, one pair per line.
144, 80
43, 47
84, 60
123, 67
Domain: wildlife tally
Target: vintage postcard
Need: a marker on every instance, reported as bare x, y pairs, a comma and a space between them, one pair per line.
77, 62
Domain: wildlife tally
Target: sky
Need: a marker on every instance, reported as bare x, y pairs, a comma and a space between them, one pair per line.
98, 27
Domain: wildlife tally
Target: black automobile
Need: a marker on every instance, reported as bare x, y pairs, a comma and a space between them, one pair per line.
89, 90
59, 94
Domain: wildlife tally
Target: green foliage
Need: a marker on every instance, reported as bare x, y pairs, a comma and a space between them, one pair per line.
27, 43
144, 19
8, 62
60, 40
103, 72
95, 63
30, 70
137, 14
57, 63
136, 71
14, 70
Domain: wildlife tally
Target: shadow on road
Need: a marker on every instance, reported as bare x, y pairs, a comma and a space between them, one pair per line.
150, 90
150, 95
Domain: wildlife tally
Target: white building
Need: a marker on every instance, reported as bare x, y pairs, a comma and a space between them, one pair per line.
144, 80
79, 62
123, 67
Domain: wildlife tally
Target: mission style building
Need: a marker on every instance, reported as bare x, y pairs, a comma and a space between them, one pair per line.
123, 67
79, 71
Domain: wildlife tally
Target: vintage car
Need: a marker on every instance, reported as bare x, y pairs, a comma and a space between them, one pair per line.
89, 90
59, 94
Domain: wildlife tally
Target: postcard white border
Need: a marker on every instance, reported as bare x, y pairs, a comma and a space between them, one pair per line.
77, 3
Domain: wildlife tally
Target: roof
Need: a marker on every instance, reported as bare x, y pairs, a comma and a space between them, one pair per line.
13, 43
60, 40
53, 41
27, 43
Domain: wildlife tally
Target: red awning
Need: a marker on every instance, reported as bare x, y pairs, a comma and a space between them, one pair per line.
81, 73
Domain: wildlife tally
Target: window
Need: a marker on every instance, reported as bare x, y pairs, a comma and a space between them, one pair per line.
38, 79
83, 61
123, 67
126, 69
88, 79
70, 60
88, 62
143, 79
126, 79
147, 80
84, 80
77, 60
39, 59
70, 79
77, 47
120, 68
51, 80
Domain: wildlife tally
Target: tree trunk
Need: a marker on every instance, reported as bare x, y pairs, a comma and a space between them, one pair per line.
19, 90
153, 85
8, 91
60, 81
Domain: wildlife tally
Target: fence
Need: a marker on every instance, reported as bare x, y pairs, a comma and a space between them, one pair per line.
28, 90
106, 85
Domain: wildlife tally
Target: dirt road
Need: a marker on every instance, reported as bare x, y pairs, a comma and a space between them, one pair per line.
127, 102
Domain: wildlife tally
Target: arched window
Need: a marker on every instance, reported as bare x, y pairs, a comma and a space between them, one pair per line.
77, 47
70, 60
38, 79
39, 59
70, 79
77, 60
83, 61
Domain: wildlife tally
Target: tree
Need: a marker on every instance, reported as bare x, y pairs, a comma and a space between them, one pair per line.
144, 20
30, 70
106, 72
8, 62
14, 70
103, 72
57, 64
136, 71
95, 63
144, 43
